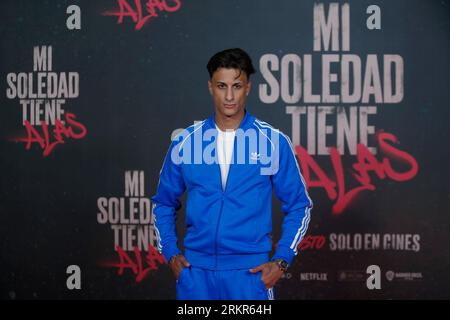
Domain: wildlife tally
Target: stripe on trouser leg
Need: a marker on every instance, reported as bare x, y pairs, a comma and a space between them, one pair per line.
270, 294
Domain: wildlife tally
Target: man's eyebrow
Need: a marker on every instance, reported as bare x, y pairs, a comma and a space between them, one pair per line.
237, 82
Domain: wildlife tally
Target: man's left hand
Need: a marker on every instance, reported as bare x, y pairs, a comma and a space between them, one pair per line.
271, 273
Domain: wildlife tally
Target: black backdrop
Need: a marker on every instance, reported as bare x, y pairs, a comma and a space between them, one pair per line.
137, 86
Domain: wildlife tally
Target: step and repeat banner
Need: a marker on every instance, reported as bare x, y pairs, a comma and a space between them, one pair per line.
93, 91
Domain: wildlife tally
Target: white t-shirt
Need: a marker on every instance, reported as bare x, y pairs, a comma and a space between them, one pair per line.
225, 144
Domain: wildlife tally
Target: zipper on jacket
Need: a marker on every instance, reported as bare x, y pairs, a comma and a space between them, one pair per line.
217, 230
224, 189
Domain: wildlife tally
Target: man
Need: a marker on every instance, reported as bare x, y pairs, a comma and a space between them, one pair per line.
229, 200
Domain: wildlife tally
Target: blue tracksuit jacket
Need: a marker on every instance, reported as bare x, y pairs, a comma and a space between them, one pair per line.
231, 228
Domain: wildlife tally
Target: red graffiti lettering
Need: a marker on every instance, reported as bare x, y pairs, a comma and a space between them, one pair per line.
59, 132
152, 258
136, 14
311, 242
366, 163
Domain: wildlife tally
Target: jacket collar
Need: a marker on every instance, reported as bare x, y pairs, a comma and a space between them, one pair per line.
245, 123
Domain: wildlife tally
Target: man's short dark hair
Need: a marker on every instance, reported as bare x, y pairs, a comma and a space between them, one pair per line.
235, 58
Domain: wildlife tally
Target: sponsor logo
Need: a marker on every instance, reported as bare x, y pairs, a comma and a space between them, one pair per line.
390, 275
351, 275
313, 276
403, 276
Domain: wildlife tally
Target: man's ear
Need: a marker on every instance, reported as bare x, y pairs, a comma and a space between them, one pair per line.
210, 87
249, 86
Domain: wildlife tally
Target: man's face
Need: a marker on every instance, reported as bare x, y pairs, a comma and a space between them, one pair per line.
229, 91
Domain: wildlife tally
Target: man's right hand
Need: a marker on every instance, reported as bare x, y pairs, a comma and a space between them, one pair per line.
177, 263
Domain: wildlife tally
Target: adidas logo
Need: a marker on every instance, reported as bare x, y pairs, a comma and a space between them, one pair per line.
254, 156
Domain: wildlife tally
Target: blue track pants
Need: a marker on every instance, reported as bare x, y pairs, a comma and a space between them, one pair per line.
200, 284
